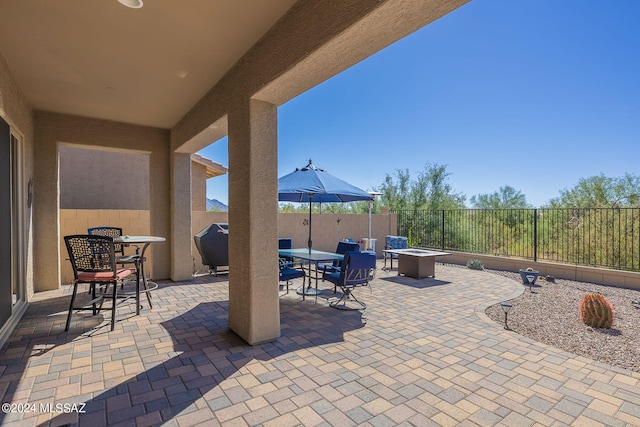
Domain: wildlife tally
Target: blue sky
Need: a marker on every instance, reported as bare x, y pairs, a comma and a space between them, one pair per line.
534, 94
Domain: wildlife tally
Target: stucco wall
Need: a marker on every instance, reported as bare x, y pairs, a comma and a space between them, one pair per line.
55, 130
85, 172
102, 179
198, 187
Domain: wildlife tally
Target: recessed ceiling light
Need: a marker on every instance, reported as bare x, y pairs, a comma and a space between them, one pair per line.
133, 4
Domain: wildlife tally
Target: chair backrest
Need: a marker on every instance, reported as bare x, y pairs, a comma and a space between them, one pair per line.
285, 243
357, 268
396, 242
91, 253
343, 248
109, 231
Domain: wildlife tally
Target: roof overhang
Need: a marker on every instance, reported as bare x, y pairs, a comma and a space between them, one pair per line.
213, 169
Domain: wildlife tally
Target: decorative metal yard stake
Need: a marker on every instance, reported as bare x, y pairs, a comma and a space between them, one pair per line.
530, 279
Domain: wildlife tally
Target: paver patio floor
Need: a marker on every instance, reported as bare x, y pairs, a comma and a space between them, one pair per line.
426, 354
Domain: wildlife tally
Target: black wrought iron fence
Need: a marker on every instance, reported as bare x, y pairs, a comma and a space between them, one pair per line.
598, 237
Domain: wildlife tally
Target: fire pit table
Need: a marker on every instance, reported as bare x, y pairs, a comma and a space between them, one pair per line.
417, 263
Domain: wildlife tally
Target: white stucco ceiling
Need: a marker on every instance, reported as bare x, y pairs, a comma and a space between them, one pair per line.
145, 66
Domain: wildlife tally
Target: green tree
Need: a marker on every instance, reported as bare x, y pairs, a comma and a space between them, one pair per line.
416, 202
429, 191
506, 197
601, 192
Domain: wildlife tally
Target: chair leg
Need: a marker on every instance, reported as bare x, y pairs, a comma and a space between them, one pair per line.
104, 291
347, 295
92, 291
113, 305
138, 290
73, 299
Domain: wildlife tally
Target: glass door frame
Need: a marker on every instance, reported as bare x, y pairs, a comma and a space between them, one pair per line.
18, 238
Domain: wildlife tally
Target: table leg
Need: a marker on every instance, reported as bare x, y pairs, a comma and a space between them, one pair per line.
309, 290
144, 277
137, 264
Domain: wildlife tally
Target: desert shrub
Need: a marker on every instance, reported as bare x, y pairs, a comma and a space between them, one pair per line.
475, 264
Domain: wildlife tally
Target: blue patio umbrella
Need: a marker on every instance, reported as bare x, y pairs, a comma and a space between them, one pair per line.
312, 184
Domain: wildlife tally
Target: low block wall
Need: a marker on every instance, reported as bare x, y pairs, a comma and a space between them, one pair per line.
623, 279
77, 221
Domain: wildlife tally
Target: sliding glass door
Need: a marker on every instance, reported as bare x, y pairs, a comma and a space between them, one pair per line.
6, 241
12, 245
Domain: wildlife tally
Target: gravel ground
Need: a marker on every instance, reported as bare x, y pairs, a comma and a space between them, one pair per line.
550, 315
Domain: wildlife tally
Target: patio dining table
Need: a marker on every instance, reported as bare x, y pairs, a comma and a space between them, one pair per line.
312, 258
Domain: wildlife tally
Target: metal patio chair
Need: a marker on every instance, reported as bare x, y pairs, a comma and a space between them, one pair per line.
342, 248
288, 272
358, 269
394, 242
93, 260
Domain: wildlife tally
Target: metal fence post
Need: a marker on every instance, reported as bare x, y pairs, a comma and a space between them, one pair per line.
442, 234
535, 235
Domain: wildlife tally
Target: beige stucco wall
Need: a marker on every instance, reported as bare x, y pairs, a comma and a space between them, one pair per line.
102, 179
54, 130
328, 229
198, 187
87, 171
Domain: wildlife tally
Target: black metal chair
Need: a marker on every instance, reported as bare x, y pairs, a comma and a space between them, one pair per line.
93, 260
121, 258
357, 270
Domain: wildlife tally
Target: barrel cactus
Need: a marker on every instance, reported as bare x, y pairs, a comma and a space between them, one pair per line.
596, 311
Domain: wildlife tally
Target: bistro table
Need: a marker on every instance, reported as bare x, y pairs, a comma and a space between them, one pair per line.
312, 257
145, 241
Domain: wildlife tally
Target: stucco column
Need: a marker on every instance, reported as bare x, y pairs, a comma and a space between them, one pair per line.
254, 306
181, 235
46, 211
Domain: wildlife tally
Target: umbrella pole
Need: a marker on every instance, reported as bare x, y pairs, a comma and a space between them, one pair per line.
309, 290
309, 242
369, 241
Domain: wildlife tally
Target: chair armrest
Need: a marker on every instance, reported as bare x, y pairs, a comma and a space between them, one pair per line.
284, 263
